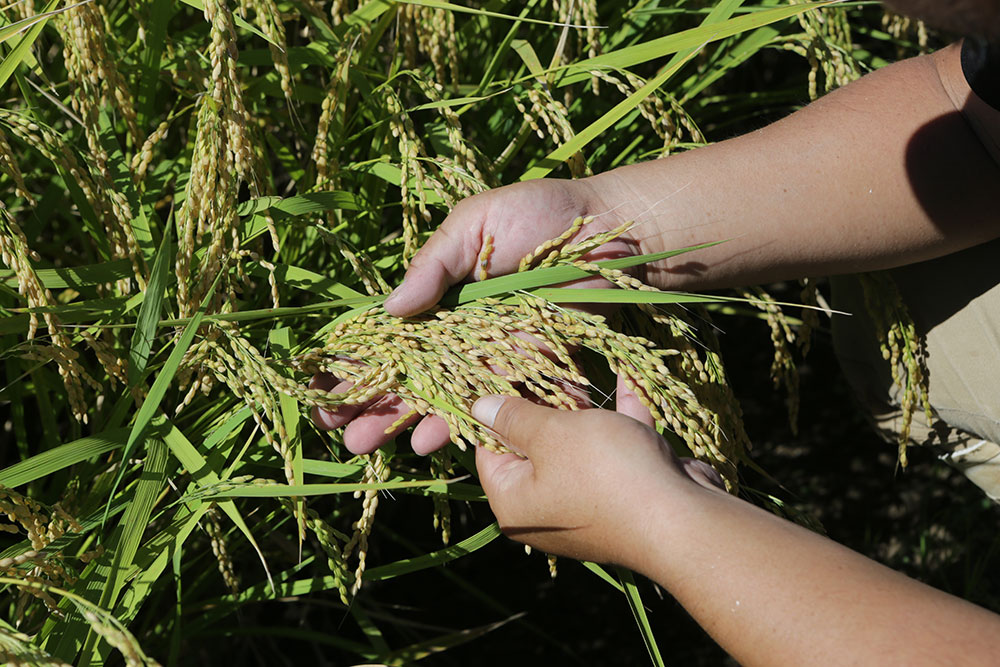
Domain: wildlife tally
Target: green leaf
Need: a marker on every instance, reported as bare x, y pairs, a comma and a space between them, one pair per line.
311, 202
686, 39
435, 558
551, 276
149, 313
309, 281
77, 277
282, 342
151, 404
569, 295
292, 490
20, 50
152, 558
438, 4
603, 574
602, 124
63, 456
524, 49
331, 468
639, 611
240, 21
441, 643
457, 101
231, 424
160, 13
121, 548
195, 463
118, 167
8, 31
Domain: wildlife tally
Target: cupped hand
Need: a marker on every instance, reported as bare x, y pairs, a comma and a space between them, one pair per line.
519, 218
580, 481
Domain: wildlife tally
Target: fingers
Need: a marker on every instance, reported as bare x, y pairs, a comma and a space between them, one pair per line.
367, 431
330, 419
430, 435
367, 422
448, 256
628, 404
519, 423
501, 475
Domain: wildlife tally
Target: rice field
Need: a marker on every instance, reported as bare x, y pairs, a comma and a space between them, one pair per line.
205, 203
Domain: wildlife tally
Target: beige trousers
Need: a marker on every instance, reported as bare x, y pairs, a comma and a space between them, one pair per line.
955, 302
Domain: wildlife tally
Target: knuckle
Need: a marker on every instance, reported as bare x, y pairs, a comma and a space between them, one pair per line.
505, 422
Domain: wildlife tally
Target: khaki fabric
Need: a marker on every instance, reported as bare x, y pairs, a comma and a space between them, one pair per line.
955, 301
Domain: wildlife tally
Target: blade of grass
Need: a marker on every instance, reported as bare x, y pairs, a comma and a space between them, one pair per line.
195, 463
160, 13
370, 630
118, 167
686, 39
152, 559
603, 574
63, 456
309, 281
438, 4
21, 49
149, 313
310, 202
441, 643
528, 56
282, 343
230, 425
639, 611
8, 31
602, 124
159, 389
122, 547
77, 277
550, 276
239, 20
570, 295
292, 490
410, 565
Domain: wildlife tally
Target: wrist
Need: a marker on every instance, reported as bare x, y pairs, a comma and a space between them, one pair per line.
665, 521
651, 195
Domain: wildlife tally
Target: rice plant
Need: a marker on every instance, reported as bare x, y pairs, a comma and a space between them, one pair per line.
206, 202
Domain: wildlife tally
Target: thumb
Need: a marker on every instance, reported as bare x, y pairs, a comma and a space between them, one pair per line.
627, 403
449, 255
520, 424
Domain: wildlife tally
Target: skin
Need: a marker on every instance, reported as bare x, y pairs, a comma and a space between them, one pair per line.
863, 179
896, 168
769, 591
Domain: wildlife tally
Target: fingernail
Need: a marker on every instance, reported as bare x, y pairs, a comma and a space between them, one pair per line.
486, 408
392, 298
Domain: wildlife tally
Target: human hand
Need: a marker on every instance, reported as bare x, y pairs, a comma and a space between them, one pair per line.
586, 479
519, 218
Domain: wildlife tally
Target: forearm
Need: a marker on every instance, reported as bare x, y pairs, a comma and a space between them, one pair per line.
880, 173
771, 592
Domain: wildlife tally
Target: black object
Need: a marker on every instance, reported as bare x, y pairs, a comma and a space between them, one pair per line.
981, 66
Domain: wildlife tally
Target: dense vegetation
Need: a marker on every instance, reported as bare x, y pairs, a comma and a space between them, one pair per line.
205, 203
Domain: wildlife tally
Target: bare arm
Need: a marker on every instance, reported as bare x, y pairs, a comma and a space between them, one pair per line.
893, 169
770, 592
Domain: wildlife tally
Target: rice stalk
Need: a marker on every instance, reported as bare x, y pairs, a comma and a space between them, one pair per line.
16, 650
783, 368
827, 44
902, 347
430, 32
666, 118
548, 117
